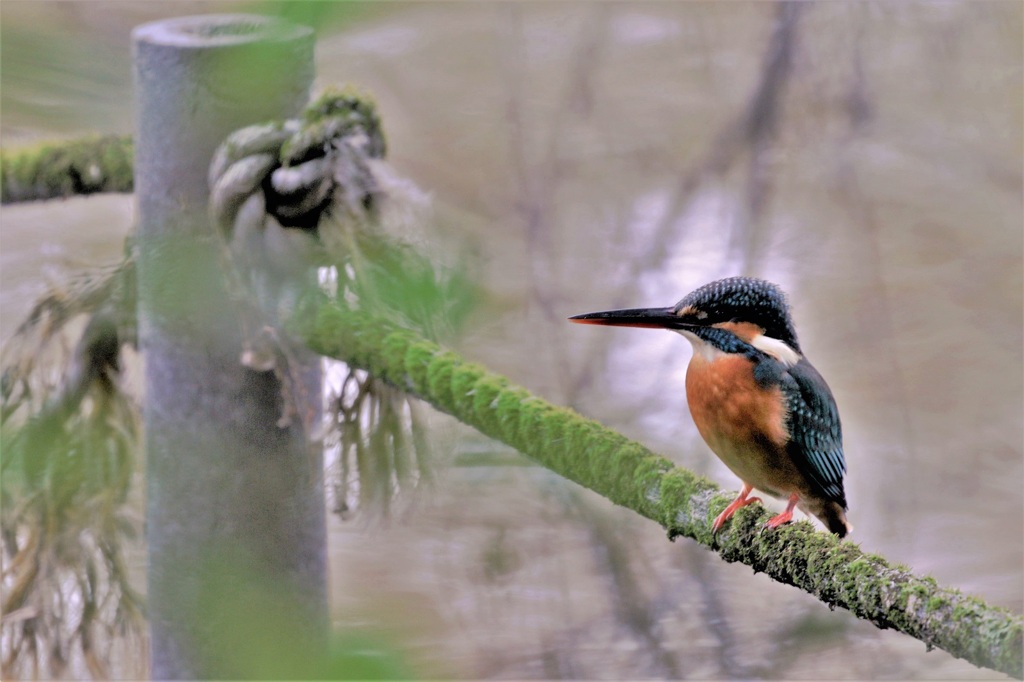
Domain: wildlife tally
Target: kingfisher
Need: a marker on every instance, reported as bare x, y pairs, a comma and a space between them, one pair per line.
758, 403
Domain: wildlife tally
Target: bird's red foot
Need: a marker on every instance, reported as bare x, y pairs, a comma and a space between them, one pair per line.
786, 516
741, 501
780, 520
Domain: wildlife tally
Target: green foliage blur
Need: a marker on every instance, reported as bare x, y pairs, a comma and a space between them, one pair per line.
322, 17
258, 631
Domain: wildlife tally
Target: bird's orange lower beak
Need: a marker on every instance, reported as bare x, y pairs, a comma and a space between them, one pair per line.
651, 318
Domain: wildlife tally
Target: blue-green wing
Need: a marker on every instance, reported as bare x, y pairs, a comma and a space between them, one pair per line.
816, 436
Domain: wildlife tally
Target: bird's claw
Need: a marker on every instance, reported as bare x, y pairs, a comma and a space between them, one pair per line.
778, 520
736, 505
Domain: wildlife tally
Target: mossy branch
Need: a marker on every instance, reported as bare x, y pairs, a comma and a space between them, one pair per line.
836, 572
63, 169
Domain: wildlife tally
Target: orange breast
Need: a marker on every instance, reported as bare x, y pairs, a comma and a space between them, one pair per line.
742, 422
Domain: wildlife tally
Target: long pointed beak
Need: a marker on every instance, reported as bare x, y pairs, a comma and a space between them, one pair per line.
651, 318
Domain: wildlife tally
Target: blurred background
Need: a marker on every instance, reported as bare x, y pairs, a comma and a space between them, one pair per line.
580, 157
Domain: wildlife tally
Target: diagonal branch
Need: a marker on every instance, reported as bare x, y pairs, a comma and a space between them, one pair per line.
836, 572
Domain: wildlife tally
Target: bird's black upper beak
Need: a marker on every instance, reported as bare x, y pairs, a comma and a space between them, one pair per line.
652, 318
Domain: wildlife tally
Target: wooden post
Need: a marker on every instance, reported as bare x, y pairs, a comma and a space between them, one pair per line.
223, 479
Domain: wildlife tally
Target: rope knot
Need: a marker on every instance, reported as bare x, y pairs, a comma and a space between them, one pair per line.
297, 170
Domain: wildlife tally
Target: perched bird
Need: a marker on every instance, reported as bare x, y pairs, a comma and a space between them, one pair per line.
756, 400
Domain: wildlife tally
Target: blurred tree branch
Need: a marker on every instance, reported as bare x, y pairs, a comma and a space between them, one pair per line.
63, 169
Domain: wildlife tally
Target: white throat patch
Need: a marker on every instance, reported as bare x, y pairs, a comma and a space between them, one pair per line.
701, 347
780, 350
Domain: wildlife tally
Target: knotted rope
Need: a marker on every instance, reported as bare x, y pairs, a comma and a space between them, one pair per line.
295, 198
292, 172
274, 190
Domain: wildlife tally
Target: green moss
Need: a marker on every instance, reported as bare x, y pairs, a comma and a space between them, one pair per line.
676, 488
464, 378
912, 594
345, 101
513, 404
581, 435
439, 380
620, 475
418, 357
936, 602
528, 421
329, 333
560, 438
364, 341
972, 607
860, 566
52, 170
485, 389
392, 359
343, 111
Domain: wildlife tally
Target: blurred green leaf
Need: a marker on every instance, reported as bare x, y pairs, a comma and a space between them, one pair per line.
257, 629
323, 17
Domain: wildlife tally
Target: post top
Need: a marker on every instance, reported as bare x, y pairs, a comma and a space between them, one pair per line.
214, 30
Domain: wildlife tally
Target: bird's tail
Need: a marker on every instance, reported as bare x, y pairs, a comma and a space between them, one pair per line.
833, 515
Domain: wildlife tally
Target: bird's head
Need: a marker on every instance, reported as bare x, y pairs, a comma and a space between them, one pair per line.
749, 308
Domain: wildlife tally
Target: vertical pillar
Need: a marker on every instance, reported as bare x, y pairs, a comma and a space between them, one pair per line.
222, 476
